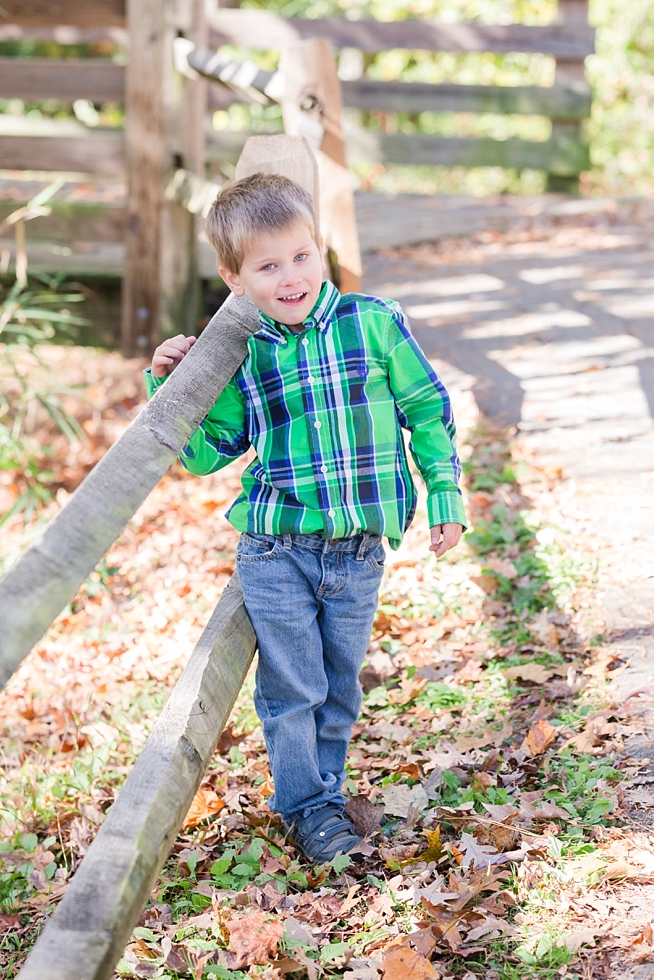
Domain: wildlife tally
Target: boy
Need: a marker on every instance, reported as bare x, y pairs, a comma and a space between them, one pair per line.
327, 383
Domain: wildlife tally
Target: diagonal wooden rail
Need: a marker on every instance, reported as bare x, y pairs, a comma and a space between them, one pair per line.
89, 930
48, 575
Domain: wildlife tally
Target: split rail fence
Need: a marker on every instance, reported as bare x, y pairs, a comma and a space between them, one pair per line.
172, 77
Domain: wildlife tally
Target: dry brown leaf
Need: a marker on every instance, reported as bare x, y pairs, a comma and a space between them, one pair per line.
539, 737
365, 815
573, 940
621, 870
532, 671
253, 939
8, 921
398, 798
404, 963
501, 811
488, 736
206, 803
544, 630
502, 566
473, 854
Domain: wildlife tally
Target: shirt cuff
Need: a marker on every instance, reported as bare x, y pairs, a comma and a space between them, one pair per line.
151, 383
446, 508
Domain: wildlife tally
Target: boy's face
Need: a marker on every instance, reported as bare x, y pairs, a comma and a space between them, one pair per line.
281, 273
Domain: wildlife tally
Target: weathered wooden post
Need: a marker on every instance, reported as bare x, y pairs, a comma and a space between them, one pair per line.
312, 106
164, 131
571, 75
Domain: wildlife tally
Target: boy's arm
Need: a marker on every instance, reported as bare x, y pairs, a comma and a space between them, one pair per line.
220, 438
424, 409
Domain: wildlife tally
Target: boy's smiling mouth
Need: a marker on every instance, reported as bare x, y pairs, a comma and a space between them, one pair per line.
293, 298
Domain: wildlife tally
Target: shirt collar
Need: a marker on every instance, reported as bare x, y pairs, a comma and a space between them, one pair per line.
320, 317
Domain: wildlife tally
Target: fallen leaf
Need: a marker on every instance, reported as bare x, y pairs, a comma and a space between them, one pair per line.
399, 798
206, 803
542, 628
501, 811
474, 855
572, 941
503, 567
253, 939
8, 922
539, 737
365, 815
488, 736
363, 969
532, 671
404, 963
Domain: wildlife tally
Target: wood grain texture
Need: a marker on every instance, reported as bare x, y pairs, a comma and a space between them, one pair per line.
66, 79
147, 162
94, 151
264, 29
88, 932
285, 154
563, 154
79, 13
63, 34
557, 100
49, 574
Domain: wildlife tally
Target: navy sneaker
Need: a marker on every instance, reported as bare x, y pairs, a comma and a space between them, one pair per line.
324, 834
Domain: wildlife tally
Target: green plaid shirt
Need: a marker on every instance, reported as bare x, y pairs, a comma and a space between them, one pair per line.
324, 411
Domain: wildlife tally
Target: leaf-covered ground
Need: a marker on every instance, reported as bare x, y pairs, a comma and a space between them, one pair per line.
487, 771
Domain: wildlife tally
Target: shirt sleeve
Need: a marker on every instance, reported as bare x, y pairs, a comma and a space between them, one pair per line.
424, 408
220, 438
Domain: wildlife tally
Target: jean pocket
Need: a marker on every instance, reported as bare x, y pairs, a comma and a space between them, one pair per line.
257, 548
376, 557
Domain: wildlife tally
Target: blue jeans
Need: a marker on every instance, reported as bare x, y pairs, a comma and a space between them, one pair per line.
312, 603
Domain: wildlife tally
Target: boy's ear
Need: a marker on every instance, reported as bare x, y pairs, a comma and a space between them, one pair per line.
323, 252
232, 281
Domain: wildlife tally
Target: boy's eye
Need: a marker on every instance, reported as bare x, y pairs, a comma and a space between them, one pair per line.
301, 256
267, 267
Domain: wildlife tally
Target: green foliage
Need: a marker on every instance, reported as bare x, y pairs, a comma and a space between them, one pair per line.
31, 312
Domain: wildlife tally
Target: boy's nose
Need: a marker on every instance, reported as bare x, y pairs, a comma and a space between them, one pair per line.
290, 275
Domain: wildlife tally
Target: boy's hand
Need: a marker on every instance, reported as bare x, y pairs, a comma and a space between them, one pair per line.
444, 537
168, 355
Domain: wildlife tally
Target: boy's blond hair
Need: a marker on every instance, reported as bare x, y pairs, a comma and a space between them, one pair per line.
255, 205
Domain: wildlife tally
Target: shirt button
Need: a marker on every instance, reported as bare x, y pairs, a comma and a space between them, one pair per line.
317, 425
310, 380
305, 341
331, 513
323, 468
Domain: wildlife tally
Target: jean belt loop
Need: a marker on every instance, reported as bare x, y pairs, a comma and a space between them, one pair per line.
363, 547
288, 541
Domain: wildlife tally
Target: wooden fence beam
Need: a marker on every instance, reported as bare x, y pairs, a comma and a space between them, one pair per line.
49, 574
66, 79
64, 145
556, 100
79, 13
562, 154
89, 930
265, 29
63, 34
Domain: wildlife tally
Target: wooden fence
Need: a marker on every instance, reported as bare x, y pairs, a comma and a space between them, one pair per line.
155, 237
